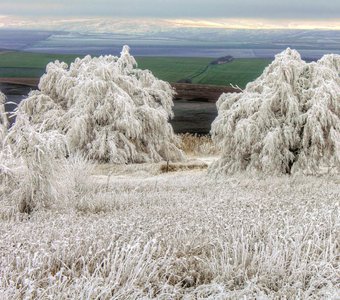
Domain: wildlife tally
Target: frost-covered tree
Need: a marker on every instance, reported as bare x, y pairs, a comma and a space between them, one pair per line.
3, 118
286, 121
108, 109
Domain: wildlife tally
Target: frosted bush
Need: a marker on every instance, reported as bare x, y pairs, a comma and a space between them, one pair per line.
34, 173
107, 108
286, 121
5, 153
34, 182
3, 119
75, 176
7, 182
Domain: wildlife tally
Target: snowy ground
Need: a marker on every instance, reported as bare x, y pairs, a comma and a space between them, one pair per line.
141, 233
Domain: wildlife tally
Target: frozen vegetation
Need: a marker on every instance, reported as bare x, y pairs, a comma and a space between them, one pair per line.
108, 110
286, 121
169, 236
3, 118
75, 228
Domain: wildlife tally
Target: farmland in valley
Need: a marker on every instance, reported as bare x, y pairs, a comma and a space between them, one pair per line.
172, 69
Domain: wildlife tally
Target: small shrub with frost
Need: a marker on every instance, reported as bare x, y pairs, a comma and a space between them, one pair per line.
75, 173
34, 184
3, 119
286, 121
6, 174
108, 109
7, 182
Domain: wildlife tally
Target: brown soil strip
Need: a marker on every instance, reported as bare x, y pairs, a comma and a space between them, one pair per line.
22, 81
204, 92
187, 91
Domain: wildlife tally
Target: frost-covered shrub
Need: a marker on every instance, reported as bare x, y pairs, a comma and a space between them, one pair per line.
108, 109
7, 182
286, 121
76, 177
36, 157
3, 118
5, 154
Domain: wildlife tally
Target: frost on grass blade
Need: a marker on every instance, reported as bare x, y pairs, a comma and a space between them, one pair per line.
107, 108
286, 121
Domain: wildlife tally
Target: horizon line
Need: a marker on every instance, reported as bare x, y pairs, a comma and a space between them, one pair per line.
18, 22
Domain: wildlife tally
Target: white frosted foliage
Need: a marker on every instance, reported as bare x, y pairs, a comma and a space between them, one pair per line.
108, 109
286, 121
3, 118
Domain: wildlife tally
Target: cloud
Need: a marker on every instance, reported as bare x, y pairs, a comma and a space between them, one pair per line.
29, 8
257, 9
135, 25
332, 24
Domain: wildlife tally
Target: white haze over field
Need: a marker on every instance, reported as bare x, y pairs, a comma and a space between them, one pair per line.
147, 25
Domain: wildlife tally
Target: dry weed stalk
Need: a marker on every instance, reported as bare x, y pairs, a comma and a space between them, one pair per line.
194, 144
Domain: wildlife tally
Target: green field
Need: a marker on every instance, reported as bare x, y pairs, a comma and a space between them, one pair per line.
31, 60
238, 72
173, 69
24, 64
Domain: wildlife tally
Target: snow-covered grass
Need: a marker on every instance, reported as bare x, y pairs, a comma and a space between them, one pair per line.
134, 234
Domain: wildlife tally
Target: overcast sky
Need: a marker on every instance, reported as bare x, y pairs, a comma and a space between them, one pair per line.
282, 9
